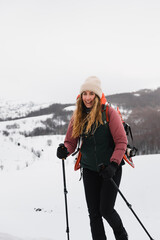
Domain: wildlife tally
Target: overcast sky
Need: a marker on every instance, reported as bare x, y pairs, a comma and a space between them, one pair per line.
49, 47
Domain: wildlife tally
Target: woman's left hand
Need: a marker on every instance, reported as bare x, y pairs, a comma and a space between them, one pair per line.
109, 171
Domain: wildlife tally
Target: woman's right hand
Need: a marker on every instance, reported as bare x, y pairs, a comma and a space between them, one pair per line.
62, 151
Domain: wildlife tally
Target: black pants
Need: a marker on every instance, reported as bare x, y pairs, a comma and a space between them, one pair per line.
100, 197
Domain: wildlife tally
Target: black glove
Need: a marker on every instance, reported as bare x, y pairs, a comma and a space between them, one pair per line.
62, 151
109, 171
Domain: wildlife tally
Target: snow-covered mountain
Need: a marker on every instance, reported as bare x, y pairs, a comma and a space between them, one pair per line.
140, 109
17, 109
125, 101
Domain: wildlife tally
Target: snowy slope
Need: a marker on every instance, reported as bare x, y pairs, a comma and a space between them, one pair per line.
25, 125
15, 109
32, 198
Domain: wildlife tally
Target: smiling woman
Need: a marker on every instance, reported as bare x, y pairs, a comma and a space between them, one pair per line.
103, 145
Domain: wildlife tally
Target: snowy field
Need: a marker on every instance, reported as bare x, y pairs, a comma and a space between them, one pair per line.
32, 197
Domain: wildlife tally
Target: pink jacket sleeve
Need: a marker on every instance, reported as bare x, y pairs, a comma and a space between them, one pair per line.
118, 134
70, 142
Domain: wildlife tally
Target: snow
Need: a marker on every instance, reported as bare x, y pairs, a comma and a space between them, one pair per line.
70, 108
136, 94
25, 124
32, 195
14, 109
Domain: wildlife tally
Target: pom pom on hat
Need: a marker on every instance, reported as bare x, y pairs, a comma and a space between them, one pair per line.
92, 84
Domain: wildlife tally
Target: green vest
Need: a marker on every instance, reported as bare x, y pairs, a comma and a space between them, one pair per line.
97, 148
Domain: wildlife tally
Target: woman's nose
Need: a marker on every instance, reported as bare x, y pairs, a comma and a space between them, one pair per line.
88, 96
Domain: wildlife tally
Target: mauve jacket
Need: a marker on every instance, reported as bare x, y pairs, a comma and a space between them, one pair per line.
117, 132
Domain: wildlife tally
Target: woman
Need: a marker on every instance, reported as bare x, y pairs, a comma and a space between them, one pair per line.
103, 147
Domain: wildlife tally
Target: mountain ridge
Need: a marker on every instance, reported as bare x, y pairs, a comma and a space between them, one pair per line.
140, 109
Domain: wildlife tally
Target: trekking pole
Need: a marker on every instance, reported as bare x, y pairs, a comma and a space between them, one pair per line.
130, 207
65, 197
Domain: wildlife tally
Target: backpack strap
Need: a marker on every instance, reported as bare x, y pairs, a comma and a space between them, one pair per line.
78, 157
78, 147
105, 113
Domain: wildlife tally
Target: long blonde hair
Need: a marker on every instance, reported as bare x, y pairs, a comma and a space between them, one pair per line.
82, 120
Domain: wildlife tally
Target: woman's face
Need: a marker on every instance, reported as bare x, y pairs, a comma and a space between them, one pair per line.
88, 98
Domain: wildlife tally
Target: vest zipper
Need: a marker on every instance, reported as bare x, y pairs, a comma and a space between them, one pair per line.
95, 152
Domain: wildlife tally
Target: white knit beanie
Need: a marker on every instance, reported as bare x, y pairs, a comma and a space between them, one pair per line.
92, 84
